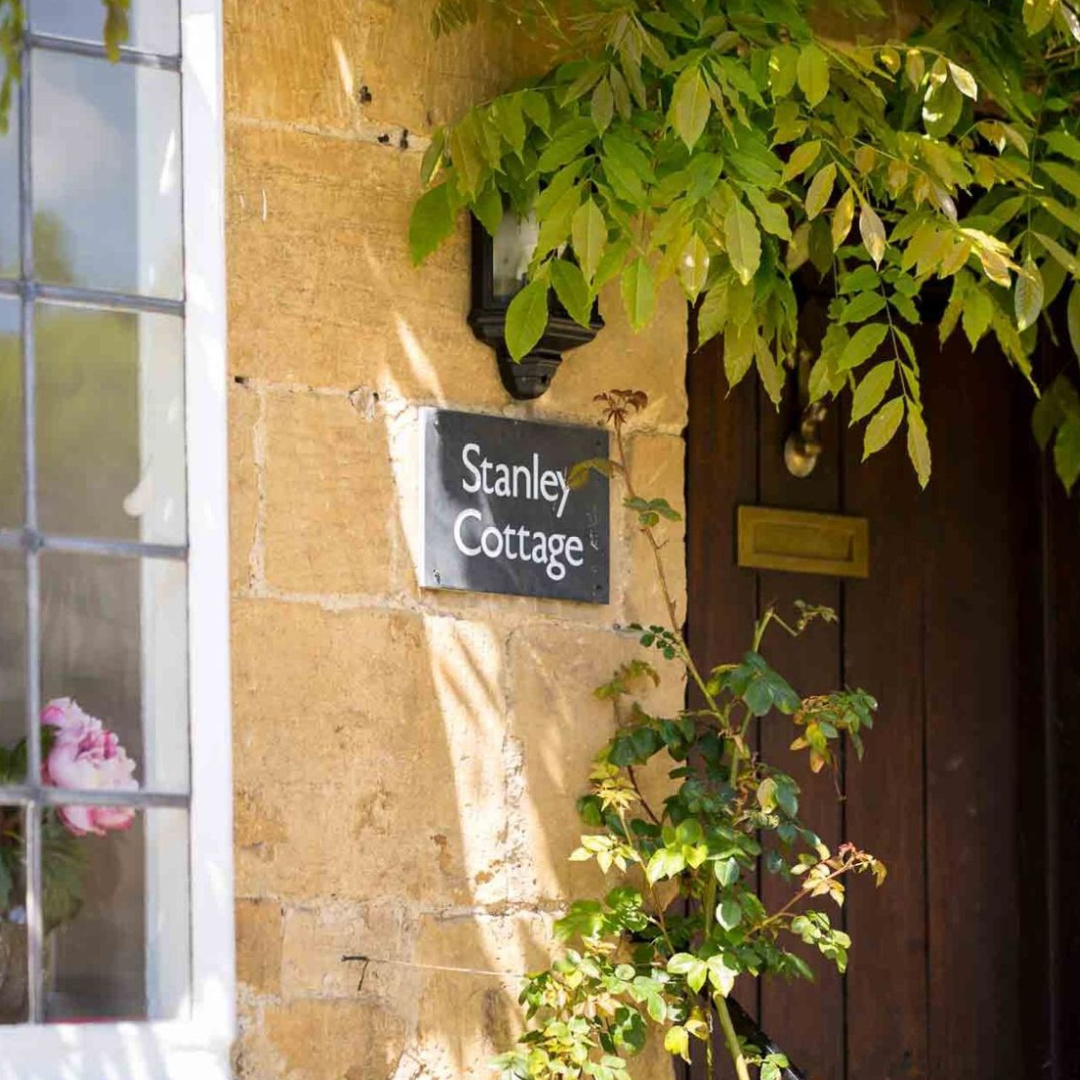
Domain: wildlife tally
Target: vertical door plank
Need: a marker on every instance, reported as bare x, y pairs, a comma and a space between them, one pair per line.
972, 720
805, 1020
882, 629
722, 473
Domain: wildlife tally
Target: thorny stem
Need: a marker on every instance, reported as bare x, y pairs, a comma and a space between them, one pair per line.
665, 588
657, 906
641, 798
742, 1071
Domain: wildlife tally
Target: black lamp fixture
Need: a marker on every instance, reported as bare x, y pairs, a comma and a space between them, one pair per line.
499, 264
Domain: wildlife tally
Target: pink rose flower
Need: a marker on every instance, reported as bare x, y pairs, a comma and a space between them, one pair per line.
86, 755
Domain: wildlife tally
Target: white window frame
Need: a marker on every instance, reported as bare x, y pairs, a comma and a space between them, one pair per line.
196, 1048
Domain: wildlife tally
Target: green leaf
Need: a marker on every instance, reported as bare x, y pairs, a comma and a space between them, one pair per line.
433, 155
843, 216
978, 314
813, 74
1065, 258
1062, 175
918, 445
1029, 294
677, 1042
690, 106
769, 370
727, 871
537, 109
588, 234
729, 914
965, 81
872, 232
863, 344
862, 280
572, 290
871, 391
739, 344
527, 318
682, 963
488, 209
766, 794
432, 221
820, 190
693, 267
1061, 142
508, 109
720, 975
639, 292
783, 70
802, 157
942, 109
883, 426
467, 156
865, 306
713, 313
566, 148
555, 225
1038, 13
773, 218
602, 106
1073, 319
1067, 453
743, 242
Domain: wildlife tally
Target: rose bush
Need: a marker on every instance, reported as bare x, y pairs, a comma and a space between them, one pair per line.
88, 756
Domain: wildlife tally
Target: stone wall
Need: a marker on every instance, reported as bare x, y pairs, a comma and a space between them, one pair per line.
406, 761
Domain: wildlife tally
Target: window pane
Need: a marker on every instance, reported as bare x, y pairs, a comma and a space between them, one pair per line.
154, 25
114, 642
118, 927
106, 157
13, 993
9, 197
11, 414
110, 412
12, 664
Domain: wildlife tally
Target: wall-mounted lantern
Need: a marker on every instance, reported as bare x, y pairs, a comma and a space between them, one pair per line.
498, 273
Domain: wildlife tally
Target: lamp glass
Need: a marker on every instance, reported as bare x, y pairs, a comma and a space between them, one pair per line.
512, 250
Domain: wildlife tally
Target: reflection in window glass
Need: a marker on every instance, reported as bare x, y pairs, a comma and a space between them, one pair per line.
13, 997
12, 663
114, 641
9, 198
106, 166
11, 415
110, 407
153, 25
117, 927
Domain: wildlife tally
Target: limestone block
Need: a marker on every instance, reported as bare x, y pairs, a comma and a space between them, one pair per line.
467, 1016
316, 939
322, 289
259, 945
335, 1040
656, 465
332, 511
376, 737
243, 482
560, 726
653, 360
340, 65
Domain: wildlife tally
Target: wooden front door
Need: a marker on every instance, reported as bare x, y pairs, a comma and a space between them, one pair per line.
951, 973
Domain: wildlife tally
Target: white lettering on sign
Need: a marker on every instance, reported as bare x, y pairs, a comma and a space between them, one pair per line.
475, 536
514, 481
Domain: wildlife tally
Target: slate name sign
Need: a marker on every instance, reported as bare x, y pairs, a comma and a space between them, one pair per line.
498, 514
